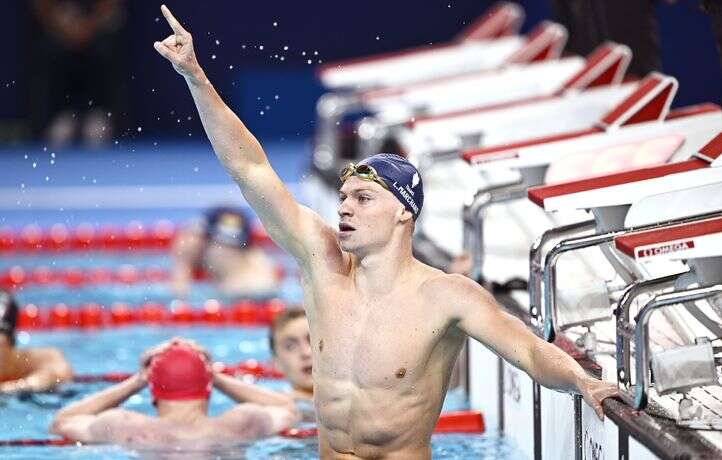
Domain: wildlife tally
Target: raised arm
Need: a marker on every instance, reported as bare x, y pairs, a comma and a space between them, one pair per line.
49, 368
242, 392
479, 315
262, 412
85, 420
292, 226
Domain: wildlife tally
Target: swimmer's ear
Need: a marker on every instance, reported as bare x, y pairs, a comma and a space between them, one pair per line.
405, 215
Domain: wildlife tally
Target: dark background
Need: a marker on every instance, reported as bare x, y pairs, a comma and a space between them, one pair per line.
332, 29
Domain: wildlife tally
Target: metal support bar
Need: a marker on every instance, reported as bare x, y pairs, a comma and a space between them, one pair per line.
625, 331
551, 258
473, 217
535, 259
641, 342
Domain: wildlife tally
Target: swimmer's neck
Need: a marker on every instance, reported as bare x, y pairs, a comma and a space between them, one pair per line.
380, 270
186, 412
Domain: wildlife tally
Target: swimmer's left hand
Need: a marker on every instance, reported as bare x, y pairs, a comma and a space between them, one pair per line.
595, 391
178, 47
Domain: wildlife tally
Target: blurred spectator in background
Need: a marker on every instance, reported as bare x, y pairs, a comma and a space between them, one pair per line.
630, 22
221, 246
27, 369
77, 87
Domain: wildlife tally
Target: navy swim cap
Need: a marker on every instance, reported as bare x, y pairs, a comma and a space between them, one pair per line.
8, 315
402, 179
229, 226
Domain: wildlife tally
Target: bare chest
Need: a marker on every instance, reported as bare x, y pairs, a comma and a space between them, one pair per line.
376, 342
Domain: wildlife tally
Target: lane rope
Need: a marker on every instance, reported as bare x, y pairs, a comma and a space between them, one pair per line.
96, 316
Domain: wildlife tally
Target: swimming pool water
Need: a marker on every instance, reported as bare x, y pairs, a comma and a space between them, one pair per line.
133, 294
117, 350
488, 446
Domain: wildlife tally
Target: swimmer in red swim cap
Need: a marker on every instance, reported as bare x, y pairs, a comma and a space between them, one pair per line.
26, 369
180, 378
179, 373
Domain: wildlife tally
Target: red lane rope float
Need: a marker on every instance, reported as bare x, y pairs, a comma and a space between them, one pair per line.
85, 237
470, 422
250, 367
17, 277
95, 316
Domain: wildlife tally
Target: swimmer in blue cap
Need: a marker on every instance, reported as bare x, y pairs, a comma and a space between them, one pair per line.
26, 369
221, 246
385, 328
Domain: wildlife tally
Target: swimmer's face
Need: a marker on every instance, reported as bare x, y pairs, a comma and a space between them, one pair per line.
292, 354
368, 214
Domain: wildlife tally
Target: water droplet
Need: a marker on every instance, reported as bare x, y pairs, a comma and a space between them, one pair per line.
195, 169
260, 47
35, 165
275, 97
315, 53
109, 114
218, 42
140, 129
275, 24
309, 61
230, 67
285, 48
213, 56
157, 19
378, 38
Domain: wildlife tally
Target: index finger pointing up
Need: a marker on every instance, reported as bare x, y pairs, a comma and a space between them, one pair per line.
172, 21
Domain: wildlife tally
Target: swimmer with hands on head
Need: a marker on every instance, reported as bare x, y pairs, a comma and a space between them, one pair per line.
180, 377
385, 328
26, 369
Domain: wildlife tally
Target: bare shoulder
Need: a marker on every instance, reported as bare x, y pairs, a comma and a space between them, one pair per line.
250, 420
44, 356
455, 290
114, 425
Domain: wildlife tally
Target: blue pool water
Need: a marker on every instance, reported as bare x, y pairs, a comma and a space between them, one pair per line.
117, 350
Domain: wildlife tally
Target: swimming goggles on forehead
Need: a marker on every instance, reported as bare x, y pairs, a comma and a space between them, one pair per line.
364, 172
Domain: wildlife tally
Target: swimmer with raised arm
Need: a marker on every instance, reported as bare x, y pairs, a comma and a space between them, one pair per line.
180, 377
385, 328
26, 369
